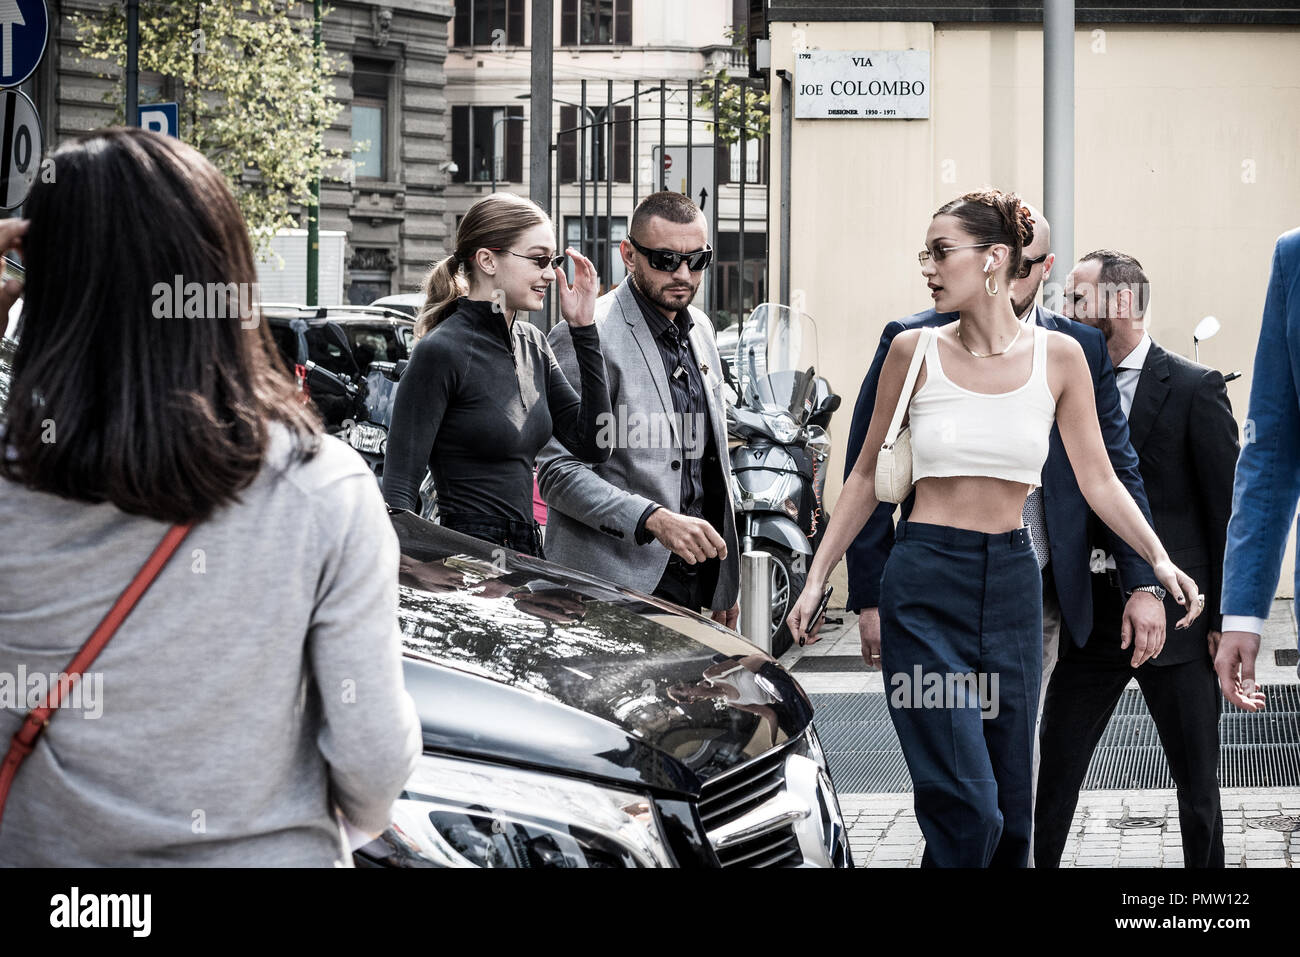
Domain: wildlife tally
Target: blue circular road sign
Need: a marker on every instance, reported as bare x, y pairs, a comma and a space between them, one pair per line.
24, 25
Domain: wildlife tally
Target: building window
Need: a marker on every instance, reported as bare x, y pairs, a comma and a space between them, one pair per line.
595, 23
487, 142
597, 243
738, 294
370, 274
754, 172
371, 82
596, 134
481, 23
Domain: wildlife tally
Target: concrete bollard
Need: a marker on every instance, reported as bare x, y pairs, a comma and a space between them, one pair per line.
756, 599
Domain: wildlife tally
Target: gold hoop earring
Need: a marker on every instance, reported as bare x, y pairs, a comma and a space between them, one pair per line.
987, 279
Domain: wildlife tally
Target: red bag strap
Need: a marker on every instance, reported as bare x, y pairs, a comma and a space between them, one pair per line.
24, 739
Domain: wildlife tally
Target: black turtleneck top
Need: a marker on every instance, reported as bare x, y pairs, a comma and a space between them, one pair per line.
477, 402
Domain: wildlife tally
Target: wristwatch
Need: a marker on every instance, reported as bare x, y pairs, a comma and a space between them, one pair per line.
1153, 589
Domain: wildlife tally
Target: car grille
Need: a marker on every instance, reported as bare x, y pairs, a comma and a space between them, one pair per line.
727, 797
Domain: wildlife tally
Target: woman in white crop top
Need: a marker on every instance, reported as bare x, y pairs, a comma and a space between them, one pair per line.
961, 593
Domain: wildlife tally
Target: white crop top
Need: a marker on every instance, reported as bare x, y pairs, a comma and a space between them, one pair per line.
959, 432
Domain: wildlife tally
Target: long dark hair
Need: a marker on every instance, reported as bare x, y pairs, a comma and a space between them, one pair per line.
494, 222
116, 395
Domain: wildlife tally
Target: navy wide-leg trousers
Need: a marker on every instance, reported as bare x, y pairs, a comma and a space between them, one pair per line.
961, 609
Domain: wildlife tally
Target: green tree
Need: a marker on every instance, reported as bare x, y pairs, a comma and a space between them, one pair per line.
740, 105
252, 98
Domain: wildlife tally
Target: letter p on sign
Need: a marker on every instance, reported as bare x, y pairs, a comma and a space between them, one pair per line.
161, 118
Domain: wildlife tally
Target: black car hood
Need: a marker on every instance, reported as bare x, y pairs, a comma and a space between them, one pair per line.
517, 659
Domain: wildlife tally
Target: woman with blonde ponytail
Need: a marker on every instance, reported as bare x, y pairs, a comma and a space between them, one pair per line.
483, 393
442, 286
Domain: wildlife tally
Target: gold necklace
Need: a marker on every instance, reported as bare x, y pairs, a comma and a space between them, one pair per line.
990, 355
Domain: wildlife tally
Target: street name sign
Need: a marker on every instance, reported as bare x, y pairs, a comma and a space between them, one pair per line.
873, 84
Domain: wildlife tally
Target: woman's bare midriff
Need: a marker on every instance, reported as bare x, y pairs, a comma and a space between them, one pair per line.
976, 502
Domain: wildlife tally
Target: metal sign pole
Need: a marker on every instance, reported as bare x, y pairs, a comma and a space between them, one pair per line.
132, 62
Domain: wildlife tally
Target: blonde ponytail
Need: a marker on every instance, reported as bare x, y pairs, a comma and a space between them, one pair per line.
442, 286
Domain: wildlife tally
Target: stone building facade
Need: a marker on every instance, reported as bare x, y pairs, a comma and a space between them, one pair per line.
390, 59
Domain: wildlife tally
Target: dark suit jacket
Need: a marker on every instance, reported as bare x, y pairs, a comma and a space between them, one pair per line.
1185, 437
1066, 510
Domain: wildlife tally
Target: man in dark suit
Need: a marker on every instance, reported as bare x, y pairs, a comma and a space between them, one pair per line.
1057, 513
1182, 428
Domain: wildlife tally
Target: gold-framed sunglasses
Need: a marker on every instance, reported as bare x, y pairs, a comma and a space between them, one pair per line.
940, 253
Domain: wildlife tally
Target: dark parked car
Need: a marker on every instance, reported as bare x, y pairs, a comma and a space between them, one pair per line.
572, 723
407, 302
348, 360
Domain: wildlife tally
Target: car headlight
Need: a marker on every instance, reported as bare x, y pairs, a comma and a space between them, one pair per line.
783, 427
368, 437
815, 748
460, 813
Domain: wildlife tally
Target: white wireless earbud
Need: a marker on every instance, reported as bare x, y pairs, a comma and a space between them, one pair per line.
988, 263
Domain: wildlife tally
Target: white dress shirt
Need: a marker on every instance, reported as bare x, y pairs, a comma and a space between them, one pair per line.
1129, 371
1127, 374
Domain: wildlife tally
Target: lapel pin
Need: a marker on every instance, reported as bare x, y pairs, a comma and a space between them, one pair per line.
704, 367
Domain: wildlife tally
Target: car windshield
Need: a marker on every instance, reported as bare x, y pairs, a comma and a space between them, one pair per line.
375, 345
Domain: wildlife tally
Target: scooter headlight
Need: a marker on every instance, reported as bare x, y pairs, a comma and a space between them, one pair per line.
784, 429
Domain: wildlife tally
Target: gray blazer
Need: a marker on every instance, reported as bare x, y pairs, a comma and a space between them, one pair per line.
594, 509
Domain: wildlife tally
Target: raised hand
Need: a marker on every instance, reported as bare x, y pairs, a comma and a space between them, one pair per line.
578, 301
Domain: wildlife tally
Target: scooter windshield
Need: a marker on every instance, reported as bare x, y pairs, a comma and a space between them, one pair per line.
775, 358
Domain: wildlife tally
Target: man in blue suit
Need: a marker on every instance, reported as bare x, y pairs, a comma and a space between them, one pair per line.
1267, 484
1057, 513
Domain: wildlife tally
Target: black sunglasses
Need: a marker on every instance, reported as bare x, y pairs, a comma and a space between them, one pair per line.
665, 260
1028, 264
541, 262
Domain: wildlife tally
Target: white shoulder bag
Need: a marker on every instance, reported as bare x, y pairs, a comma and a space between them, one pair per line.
894, 461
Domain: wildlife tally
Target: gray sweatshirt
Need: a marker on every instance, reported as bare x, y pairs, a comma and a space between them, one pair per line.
256, 684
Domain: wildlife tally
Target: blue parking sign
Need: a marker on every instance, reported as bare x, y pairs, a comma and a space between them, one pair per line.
160, 118
24, 25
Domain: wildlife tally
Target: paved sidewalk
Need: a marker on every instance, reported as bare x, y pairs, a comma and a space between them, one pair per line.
1111, 828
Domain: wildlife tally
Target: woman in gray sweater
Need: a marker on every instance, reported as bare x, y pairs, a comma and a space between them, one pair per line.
257, 685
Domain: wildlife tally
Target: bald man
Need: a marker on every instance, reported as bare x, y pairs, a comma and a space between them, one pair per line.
1056, 513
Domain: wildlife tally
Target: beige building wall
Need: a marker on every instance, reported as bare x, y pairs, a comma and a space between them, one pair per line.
1187, 143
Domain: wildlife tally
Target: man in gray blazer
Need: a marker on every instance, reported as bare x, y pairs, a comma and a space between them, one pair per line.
658, 516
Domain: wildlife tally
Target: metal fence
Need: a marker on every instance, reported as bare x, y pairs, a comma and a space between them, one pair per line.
643, 119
